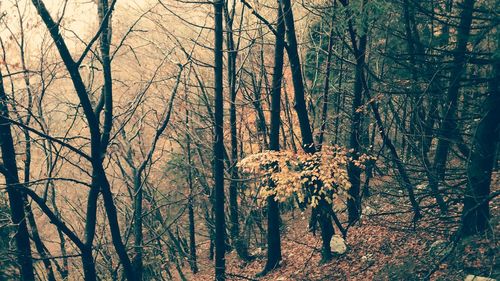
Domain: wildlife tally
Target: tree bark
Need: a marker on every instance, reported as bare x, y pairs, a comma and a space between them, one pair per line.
326, 89
448, 128
39, 245
273, 213
298, 83
137, 261
192, 233
220, 228
414, 47
353, 203
308, 145
238, 241
16, 198
359, 50
476, 213
98, 145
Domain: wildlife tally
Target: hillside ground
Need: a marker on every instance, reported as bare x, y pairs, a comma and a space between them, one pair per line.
384, 245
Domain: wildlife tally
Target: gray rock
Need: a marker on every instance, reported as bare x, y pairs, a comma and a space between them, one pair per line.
367, 211
478, 278
338, 245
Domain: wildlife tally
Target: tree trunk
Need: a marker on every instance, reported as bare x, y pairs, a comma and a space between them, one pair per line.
192, 233
98, 144
359, 50
40, 247
137, 261
273, 213
89, 271
107, 88
353, 203
300, 107
476, 213
326, 89
238, 241
414, 47
448, 128
220, 228
298, 83
16, 199
35, 235
338, 104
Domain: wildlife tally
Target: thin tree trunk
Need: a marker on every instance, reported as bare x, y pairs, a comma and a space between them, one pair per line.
326, 89
261, 120
192, 233
137, 261
353, 203
370, 165
339, 97
395, 158
64, 270
107, 88
239, 243
290, 121
40, 247
220, 228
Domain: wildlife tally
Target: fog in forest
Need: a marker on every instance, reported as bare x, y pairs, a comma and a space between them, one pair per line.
249, 140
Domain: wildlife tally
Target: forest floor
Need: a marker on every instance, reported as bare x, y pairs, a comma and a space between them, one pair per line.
384, 245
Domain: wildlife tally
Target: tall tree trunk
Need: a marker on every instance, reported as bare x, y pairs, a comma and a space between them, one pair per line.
339, 97
448, 128
353, 203
114, 226
261, 120
359, 50
326, 89
238, 241
383, 133
107, 88
370, 165
98, 145
192, 233
476, 213
273, 213
17, 200
289, 119
322, 214
414, 47
88, 264
39, 245
298, 83
220, 228
326, 225
90, 224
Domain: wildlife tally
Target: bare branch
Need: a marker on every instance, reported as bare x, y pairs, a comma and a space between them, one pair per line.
103, 25
69, 146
